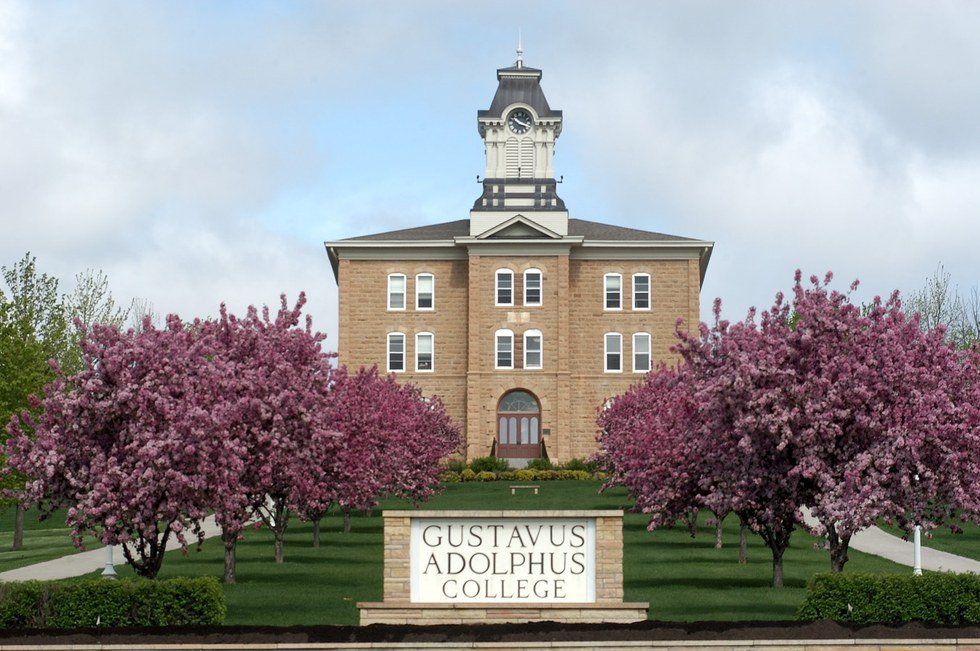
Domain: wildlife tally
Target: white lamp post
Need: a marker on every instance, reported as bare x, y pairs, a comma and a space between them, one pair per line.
917, 544
917, 556
109, 572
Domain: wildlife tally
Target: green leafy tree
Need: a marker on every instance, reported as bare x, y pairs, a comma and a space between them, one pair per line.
939, 303
89, 304
38, 324
33, 330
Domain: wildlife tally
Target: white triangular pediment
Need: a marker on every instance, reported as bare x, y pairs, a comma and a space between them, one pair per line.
518, 227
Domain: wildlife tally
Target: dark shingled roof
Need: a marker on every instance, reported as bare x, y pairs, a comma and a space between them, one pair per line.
443, 231
519, 88
587, 229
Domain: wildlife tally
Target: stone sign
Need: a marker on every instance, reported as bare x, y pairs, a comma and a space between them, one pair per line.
502, 560
445, 567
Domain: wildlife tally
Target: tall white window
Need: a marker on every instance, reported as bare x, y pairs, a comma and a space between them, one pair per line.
641, 291
396, 291
641, 352
613, 299
396, 352
503, 349
424, 351
532, 349
504, 287
425, 292
532, 287
613, 353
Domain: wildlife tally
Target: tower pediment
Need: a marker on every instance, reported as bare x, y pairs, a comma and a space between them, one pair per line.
518, 227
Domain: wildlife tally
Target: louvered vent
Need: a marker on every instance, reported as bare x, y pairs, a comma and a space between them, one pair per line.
519, 158
511, 163
527, 159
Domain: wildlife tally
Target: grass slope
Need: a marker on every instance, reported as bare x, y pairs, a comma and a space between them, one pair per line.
43, 540
682, 578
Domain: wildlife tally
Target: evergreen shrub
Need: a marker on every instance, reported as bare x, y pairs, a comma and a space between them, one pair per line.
182, 601
935, 598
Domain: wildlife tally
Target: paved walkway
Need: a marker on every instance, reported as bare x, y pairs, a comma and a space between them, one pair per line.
880, 543
86, 562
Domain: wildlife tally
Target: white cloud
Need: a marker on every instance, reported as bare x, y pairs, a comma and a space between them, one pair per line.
154, 141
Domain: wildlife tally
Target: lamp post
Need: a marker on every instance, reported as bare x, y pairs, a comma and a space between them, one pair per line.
917, 543
917, 554
109, 571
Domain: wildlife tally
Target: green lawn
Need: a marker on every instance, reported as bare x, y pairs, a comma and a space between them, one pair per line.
681, 577
43, 540
964, 544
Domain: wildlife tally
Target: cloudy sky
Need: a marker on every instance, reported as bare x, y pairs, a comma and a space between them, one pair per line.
202, 152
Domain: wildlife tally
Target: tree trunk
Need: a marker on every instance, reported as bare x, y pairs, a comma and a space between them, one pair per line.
718, 533
316, 532
279, 528
150, 552
777, 536
777, 569
18, 528
743, 543
838, 549
231, 541
691, 520
346, 521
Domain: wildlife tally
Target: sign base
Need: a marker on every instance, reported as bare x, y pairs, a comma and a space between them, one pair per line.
468, 567
385, 612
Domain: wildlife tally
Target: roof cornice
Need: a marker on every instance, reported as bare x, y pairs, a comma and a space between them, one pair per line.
386, 244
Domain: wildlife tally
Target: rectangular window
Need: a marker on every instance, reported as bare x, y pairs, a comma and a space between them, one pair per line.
532, 349
504, 349
396, 352
505, 287
614, 292
424, 351
641, 291
614, 352
396, 291
425, 292
532, 287
641, 352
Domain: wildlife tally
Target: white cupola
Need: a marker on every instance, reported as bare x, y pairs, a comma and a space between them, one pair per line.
519, 131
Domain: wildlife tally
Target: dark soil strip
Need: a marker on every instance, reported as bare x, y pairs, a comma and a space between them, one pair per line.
488, 633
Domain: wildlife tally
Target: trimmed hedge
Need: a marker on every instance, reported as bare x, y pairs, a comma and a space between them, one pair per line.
451, 477
103, 602
936, 598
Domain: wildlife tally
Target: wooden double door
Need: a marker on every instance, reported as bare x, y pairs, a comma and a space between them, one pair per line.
519, 425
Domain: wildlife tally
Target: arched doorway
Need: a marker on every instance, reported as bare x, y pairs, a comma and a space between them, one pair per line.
518, 425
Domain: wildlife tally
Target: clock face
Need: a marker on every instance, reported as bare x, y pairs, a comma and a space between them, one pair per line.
519, 121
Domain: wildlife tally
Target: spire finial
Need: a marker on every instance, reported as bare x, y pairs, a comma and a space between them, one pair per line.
520, 49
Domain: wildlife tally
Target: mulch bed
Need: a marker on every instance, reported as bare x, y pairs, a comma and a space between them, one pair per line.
489, 633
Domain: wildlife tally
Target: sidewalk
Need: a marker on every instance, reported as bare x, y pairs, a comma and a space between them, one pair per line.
876, 541
86, 562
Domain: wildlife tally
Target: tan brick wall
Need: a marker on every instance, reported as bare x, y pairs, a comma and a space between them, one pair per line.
485, 384
674, 294
365, 321
572, 321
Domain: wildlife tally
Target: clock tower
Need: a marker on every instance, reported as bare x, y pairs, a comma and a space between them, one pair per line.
519, 131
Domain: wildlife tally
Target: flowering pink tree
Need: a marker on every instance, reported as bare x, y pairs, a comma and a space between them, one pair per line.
283, 380
646, 446
391, 442
743, 437
714, 432
125, 443
883, 429
858, 414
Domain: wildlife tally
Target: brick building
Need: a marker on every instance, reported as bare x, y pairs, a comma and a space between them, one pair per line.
522, 319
